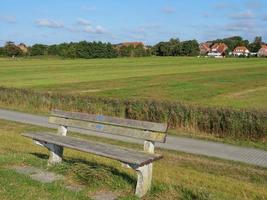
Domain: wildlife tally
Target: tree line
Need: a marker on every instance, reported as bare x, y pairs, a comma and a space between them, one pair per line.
174, 47
87, 50
81, 49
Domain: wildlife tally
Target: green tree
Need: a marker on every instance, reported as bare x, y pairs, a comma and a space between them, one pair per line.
190, 48
132, 50
125, 51
162, 49
53, 50
38, 50
256, 45
233, 42
111, 52
170, 48
174, 47
2, 51
70, 52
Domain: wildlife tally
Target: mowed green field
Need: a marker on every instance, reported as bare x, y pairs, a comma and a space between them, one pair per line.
238, 83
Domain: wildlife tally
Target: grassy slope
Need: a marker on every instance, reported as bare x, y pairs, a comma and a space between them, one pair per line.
239, 83
177, 176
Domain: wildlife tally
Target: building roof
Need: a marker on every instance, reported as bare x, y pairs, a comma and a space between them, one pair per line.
219, 47
205, 46
131, 43
23, 47
22, 44
241, 49
263, 51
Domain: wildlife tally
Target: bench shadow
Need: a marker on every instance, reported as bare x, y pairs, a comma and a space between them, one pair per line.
112, 170
41, 156
70, 160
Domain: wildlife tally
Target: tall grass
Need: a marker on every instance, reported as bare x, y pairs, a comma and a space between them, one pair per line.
249, 124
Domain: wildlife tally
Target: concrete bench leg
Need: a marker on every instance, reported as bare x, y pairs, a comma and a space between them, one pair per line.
56, 152
144, 173
144, 179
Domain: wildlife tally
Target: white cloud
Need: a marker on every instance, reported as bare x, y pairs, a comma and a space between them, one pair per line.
236, 27
244, 26
49, 23
100, 30
83, 22
8, 19
264, 18
168, 10
89, 29
243, 15
95, 30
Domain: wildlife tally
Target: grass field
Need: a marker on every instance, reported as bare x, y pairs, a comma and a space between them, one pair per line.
238, 83
176, 176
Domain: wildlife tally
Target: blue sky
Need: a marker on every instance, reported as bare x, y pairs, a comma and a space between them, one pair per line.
150, 21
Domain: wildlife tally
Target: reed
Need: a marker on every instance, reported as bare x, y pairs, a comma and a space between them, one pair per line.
237, 123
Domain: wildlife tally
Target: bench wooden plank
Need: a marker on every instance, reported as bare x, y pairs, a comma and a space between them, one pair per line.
116, 130
115, 121
106, 150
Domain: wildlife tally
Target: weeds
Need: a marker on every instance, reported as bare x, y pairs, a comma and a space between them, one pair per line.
190, 194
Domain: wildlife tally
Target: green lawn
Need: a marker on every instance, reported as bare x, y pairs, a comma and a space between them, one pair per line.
239, 83
176, 176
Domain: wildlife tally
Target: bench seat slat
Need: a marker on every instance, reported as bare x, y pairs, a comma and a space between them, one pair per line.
116, 130
143, 125
106, 150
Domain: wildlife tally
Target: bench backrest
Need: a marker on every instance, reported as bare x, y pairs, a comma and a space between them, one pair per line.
150, 131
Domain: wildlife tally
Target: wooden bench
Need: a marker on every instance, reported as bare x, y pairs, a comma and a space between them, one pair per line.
141, 161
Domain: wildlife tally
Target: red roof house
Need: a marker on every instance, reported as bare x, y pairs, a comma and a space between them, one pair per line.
241, 51
204, 48
218, 50
263, 51
134, 44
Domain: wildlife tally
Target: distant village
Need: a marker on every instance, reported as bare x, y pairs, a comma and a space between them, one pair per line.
173, 47
220, 50
206, 49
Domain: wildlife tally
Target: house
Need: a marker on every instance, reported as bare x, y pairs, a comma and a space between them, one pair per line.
263, 51
23, 48
241, 51
218, 50
204, 48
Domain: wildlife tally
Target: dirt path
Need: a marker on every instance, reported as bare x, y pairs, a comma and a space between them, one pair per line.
245, 92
